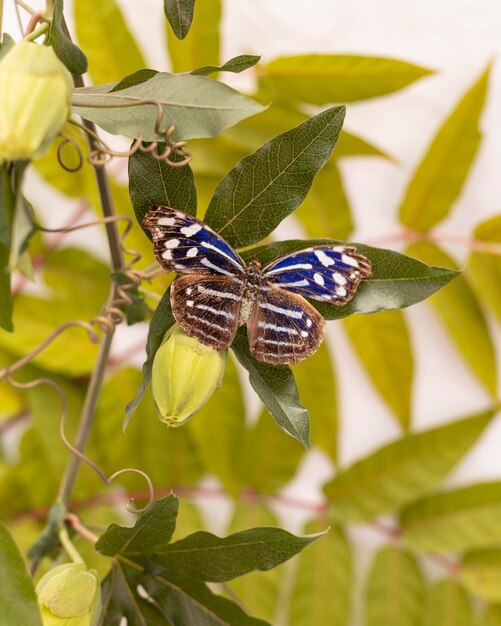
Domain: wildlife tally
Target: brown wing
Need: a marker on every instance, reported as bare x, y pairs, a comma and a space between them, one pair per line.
207, 307
284, 327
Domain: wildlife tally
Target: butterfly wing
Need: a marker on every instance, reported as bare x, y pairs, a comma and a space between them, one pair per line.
207, 307
186, 245
326, 273
284, 327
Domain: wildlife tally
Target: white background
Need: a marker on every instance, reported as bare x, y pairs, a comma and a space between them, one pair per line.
456, 38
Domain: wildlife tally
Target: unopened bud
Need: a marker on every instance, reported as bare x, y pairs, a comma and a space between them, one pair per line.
35, 100
185, 375
69, 595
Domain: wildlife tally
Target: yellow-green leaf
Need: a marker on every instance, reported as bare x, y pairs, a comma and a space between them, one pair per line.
329, 78
492, 617
447, 605
441, 174
383, 344
324, 569
268, 458
325, 212
218, 430
484, 270
201, 46
461, 519
259, 591
317, 390
103, 34
401, 471
461, 314
395, 589
481, 573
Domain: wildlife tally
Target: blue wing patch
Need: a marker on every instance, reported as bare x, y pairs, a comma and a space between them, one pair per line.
186, 245
324, 273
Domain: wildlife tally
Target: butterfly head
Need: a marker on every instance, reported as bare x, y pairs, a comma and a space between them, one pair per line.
254, 273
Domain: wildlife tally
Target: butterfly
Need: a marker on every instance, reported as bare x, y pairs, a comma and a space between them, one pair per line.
218, 292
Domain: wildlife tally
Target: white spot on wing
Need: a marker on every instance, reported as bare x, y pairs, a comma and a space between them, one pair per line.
347, 260
339, 278
189, 231
206, 244
192, 252
277, 309
205, 307
341, 291
309, 323
210, 265
318, 278
166, 221
304, 333
172, 243
219, 294
189, 303
167, 255
188, 291
323, 258
287, 268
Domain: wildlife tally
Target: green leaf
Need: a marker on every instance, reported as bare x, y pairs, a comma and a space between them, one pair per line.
189, 520
463, 317
218, 430
23, 229
395, 589
236, 65
70, 54
103, 34
397, 281
277, 389
484, 270
326, 210
6, 44
168, 601
265, 187
327, 78
461, 519
136, 78
204, 556
324, 567
317, 390
160, 323
180, 15
258, 591
155, 182
401, 471
7, 202
151, 533
17, 595
280, 117
268, 460
439, 178
201, 46
383, 345
447, 605
196, 105
481, 573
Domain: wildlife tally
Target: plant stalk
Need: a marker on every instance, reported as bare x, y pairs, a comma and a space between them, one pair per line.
87, 415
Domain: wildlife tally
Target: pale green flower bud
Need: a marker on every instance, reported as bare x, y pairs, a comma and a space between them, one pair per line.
69, 595
185, 375
35, 100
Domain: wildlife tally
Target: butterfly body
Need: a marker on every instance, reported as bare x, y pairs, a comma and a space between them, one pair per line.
218, 292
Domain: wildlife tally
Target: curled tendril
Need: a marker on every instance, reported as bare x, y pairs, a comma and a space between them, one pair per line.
172, 153
64, 410
113, 313
74, 144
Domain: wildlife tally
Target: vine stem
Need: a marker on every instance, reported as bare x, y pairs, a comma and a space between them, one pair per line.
70, 474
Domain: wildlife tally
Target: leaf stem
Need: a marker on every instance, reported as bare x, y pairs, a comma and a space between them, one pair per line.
67, 544
37, 32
